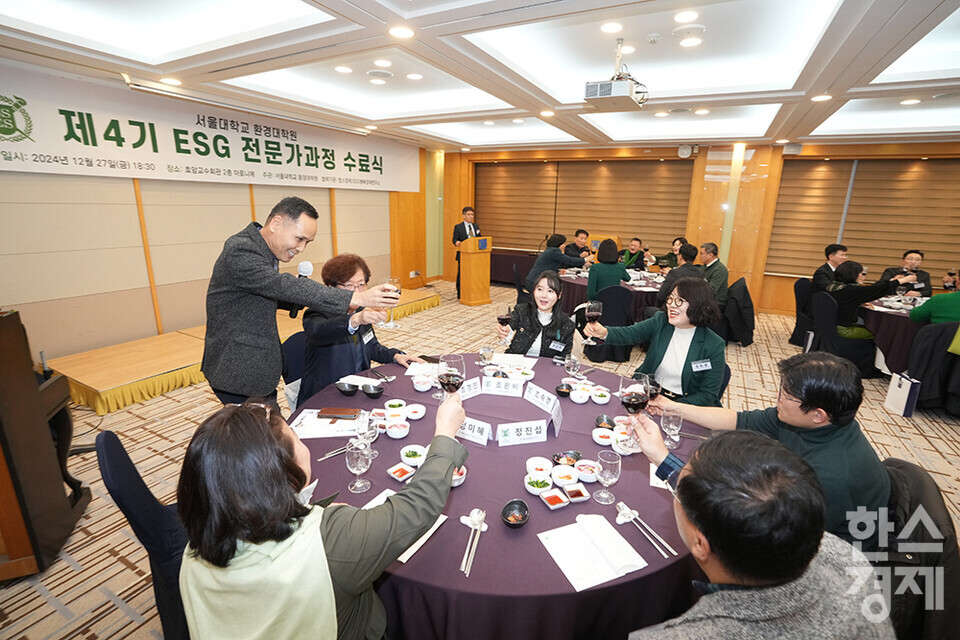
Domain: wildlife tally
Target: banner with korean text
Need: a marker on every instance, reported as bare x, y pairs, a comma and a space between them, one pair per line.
50, 123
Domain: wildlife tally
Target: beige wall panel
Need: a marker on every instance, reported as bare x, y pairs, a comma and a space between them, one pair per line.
379, 267
63, 274
72, 325
184, 262
362, 211
364, 243
183, 305
267, 196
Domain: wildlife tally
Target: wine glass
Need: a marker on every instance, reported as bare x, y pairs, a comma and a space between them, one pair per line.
901, 291
670, 421
571, 365
393, 281
358, 461
504, 313
634, 395
653, 387
484, 356
451, 374
367, 432
593, 313
608, 474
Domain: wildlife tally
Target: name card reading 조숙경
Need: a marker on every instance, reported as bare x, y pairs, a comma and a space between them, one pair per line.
470, 388
511, 433
556, 417
475, 431
503, 387
539, 397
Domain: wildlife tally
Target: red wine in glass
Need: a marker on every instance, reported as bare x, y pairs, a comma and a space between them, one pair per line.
593, 316
653, 389
634, 401
504, 320
450, 382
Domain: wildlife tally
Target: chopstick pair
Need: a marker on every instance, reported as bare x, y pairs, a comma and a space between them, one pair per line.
468, 554
637, 521
331, 454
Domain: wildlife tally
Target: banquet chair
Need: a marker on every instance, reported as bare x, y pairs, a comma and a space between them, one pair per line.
825, 337
917, 552
726, 379
522, 294
937, 369
157, 527
802, 289
738, 317
293, 357
617, 312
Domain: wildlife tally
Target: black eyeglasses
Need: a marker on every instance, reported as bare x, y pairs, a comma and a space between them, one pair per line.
675, 301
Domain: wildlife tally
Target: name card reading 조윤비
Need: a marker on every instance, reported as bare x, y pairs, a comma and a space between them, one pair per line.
539, 397
512, 433
470, 388
474, 431
503, 387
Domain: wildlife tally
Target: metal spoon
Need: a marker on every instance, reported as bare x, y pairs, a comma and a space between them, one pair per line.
474, 520
383, 377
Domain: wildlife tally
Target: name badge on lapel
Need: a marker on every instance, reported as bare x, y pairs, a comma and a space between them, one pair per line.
701, 365
367, 336
556, 345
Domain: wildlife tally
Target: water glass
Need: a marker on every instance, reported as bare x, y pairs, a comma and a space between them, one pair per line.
358, 461
609, 473
571, 365
670, 421
485, 356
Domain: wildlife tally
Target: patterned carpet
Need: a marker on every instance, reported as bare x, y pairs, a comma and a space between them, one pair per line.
100, 585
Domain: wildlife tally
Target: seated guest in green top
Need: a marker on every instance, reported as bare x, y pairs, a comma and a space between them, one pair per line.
607, 272
261, 562
635, 257
941, 308
686, 357
671, 256
815, 417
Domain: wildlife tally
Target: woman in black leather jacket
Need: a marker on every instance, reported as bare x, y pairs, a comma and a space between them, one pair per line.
542, 329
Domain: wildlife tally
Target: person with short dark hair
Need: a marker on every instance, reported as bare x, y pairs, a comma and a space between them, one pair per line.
608, 271
671, 257
752, 513
686, 269
715, 271
910, 263
541, 327
815, 417
635, 256
578, 248
553, 259
241, 349
849, 290
461, 231
343, 344
685, 356
836, 255
261, 562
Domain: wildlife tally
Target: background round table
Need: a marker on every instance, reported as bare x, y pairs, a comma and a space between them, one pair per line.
893, 333
515, 589
575, 293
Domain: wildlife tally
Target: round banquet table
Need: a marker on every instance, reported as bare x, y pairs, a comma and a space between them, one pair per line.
575, 294
515, 589
893, 333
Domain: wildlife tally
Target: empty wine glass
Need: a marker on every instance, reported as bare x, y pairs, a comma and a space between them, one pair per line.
670, 421
358, 461
451, 374
608, 474
367, 432
484, 356
901, 291
571, 365
393, 281
504, 313
593, 313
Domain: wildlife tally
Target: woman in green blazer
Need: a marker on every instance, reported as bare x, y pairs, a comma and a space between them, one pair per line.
607, 272
685, 356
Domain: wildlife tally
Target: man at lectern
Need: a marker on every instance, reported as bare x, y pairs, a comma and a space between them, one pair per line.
462, 231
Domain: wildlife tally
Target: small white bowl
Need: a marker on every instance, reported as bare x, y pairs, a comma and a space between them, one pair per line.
576, 492
623, 452
579, 396
603, 437
526, 374
588, 470
398, 430
530, 477
413, 454
394, 403
459, 477
396, 415
573, 382
539, 465
564, 474
378, 414
621, 420
600, 395
422, 383
415, 411
490, 369
555, 499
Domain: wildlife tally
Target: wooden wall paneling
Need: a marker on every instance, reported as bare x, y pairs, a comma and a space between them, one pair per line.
408, 230
516, 203
146, 255
706, 214
457, 193
776, 295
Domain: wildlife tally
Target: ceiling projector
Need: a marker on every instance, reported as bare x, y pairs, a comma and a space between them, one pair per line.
620, 93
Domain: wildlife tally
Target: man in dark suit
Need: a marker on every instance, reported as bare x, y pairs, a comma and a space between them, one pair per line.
241, 353
714, 271
578, 248
686, 256
462, 231
912, 259
836, 255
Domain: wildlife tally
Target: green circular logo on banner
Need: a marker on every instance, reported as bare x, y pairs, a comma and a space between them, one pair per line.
15, 122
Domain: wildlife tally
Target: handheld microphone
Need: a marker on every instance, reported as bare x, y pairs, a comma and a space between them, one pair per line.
304, 270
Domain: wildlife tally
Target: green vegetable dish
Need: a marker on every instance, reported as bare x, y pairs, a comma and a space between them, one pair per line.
538, 484
412, 454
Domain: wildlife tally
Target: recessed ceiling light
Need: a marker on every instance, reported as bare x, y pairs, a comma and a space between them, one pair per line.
414, 76
488, 123
693, 41
401, 32
343, 69
684, 17
173, 82
383, 63
372, 127
782, 141
464, 148
546, 114
518, 121
689, 34
661, 114
822, 98
378, 81
701, 112
611, 27
627, 49
909, 102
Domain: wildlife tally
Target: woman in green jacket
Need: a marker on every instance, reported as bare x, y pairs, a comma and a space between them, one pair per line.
608, 271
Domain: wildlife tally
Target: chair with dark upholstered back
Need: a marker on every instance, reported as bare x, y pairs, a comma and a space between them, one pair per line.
726, 379
617, 312
802, 290
522, 294
825, 337
293, 358
157, 527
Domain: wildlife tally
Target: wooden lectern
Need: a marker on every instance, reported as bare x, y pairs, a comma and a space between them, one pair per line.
37, 513
475, 270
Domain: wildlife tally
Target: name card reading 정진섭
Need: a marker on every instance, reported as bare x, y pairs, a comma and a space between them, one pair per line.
470, 388
474, 431
503, 387
539, 397
511, 433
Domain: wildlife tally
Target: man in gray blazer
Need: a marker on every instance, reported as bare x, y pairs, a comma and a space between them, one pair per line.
241, 355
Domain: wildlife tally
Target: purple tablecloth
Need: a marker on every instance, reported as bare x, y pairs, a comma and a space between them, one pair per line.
575, 293
501, 265
893, 333
515, 589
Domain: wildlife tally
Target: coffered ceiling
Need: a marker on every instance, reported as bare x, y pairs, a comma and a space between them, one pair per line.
485, 74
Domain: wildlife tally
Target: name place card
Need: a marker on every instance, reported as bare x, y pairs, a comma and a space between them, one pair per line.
511, 433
